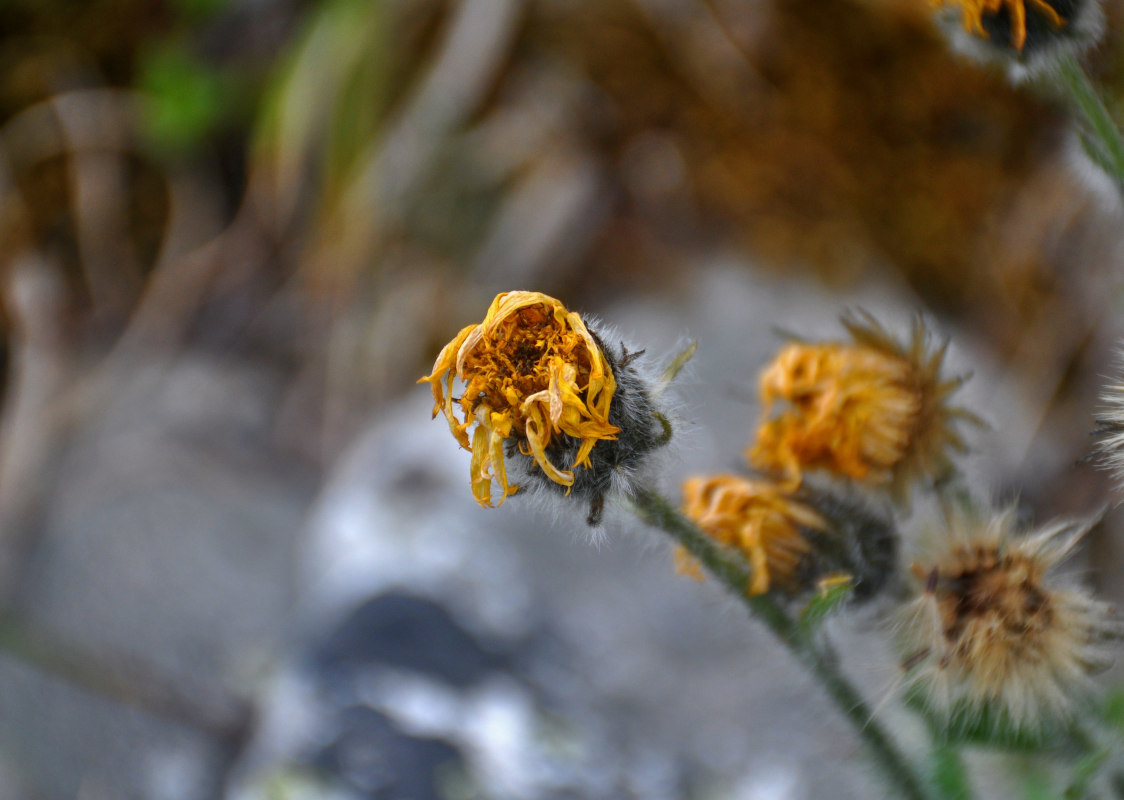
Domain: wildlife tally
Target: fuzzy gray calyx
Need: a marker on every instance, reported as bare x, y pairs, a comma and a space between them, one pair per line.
615, 464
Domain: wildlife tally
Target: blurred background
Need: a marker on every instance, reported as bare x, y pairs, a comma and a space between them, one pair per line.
237, 559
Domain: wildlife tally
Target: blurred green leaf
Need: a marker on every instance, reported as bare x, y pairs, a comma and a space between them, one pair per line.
184, 98
679, 362
1112, 709
1036, 785
329, 93
985, 726
194, 10
825, 603
1084, 771
949, 776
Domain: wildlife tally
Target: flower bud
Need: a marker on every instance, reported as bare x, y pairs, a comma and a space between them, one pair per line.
549, 399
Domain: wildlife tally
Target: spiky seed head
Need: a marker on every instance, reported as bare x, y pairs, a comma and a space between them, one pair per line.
1109, 448
989, 628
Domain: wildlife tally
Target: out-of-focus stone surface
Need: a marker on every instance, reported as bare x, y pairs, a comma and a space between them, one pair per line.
659, 685
392, 635
165, 552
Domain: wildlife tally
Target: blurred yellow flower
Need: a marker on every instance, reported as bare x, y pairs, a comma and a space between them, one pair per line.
531, 371
871, 410
758, 518
974, 10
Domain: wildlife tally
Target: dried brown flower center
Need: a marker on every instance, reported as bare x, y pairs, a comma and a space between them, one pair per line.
993, 597
531, 370
514, 362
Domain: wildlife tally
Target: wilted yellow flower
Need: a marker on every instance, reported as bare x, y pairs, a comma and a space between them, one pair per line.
793, 541
871, 409
989, 629
974, 11
531, 371
760, 519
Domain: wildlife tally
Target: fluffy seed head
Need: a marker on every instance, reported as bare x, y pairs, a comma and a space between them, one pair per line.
871, 409
792, 540
1110, 429
989, 628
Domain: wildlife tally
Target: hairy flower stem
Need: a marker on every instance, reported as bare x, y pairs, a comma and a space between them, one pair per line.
732, 570
1103, 140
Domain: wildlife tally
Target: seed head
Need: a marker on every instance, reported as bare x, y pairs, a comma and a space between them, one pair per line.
871, 409
1110, 429
989, 628
544, 392
792, 540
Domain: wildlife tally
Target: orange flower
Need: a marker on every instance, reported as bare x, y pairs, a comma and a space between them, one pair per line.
760, 519
871, 410
531, 372
793, 541
974, 10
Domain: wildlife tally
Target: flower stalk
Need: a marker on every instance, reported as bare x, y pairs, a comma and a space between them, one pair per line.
732, 570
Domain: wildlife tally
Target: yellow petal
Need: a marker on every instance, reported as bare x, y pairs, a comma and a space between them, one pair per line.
582, 457
501, 429
537, 436
480, 470
759, 581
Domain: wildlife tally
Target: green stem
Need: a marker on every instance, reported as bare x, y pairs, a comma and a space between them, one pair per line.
1102, 128
1095, 757
735, 574
949, 774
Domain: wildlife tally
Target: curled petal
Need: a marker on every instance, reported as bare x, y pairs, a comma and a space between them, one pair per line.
442, 371
533, 371
481, 468
759, 583
537, 435
487, 456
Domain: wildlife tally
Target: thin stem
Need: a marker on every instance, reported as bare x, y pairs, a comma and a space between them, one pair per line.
1089, 739
735, 574
1105, 140
949, 774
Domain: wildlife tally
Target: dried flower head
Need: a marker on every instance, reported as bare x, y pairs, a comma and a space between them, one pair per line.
792, 541
544, 391
871, 409
1027, 32
981, 17
990, 630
